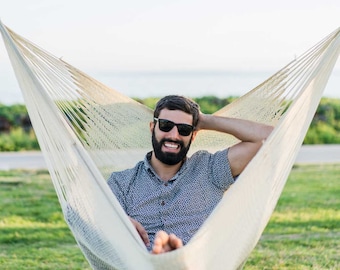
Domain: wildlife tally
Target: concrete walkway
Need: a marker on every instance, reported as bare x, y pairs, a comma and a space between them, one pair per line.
326, 153
35, 160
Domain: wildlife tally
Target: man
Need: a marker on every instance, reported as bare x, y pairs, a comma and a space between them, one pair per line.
168, 195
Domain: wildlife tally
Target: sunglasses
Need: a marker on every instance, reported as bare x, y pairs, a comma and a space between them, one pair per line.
167, 125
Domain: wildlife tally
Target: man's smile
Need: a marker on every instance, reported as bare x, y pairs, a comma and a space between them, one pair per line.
171, 146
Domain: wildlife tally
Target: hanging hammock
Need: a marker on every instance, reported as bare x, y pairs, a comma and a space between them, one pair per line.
87, 130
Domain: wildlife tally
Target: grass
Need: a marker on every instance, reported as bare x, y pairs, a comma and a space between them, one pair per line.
304, 230
33, 234
303, 233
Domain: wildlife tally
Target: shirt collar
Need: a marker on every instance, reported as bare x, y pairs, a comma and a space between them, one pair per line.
148, 167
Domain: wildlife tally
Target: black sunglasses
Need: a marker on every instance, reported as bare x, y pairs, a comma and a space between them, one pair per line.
167, 125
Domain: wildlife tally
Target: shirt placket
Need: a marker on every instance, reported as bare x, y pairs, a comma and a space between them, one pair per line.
163, 202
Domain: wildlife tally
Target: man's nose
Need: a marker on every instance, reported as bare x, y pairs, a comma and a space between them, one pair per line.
174, 132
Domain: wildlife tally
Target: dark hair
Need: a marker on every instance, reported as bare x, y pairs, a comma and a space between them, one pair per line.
174, 102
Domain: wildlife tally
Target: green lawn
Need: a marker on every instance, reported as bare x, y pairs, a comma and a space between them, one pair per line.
304, 230
303, 233
33, 234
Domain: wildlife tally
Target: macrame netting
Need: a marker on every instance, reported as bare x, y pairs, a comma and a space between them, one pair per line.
87, 130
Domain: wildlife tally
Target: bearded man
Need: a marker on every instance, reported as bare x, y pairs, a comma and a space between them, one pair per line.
169, 195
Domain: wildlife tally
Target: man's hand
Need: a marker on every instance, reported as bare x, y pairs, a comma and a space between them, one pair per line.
166, 242
141, 231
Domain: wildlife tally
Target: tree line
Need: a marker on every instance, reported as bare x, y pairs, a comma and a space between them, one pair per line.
16, 131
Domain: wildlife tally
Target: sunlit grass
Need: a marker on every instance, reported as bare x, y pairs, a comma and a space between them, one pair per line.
33, 233
303, 232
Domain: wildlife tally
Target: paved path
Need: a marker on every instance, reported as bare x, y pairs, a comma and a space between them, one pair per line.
319, 154
22, 160
35, 160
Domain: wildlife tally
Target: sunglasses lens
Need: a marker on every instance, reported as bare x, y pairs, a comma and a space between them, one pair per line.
184, 130
166, 126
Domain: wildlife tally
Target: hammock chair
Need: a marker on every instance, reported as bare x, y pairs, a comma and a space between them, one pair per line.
87, 130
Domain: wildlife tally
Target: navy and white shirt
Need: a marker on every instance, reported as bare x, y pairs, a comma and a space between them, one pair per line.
180, 205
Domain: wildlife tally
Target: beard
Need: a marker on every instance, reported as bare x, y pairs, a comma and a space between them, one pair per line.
169, 158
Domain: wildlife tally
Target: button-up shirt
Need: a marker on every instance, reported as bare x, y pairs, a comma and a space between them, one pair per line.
179, 205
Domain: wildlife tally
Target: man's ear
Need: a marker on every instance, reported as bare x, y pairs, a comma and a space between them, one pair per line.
152, 126
194, 133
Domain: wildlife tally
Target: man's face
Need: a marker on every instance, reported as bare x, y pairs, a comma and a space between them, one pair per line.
171, 147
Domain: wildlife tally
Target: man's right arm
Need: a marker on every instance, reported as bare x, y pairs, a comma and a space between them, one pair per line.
141, 231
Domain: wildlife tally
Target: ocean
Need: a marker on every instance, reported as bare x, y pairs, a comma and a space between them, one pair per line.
187, 83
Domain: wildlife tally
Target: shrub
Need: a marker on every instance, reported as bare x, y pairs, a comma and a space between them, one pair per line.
17, 140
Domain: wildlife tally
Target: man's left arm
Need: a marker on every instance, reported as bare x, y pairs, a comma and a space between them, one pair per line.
250, 134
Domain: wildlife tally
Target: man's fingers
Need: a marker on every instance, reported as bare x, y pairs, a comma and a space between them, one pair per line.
141, 231
161, 240
143, 234
175, 242
165, 242
162, 236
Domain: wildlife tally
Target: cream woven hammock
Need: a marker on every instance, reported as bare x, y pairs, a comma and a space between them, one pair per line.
87, 130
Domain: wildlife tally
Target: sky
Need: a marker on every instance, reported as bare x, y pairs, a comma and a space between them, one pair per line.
105, 36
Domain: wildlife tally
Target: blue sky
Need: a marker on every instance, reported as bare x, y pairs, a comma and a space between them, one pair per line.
133, 35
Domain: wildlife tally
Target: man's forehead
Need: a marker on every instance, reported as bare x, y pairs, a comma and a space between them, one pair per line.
176, 116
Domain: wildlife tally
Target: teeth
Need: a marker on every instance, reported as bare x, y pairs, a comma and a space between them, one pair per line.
171, 145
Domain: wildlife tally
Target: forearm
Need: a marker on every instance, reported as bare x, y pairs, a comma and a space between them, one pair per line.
244, 130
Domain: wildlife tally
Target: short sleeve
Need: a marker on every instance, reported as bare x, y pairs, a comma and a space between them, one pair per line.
220, 170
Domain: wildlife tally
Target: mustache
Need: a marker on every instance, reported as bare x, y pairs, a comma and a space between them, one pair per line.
181, 144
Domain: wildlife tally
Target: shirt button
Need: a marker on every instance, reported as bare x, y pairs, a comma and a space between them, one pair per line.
166, 184
162, 203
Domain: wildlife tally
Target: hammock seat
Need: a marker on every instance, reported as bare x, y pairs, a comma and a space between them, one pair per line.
87, 130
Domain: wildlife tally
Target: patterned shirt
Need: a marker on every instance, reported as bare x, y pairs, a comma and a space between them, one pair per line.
179, 205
